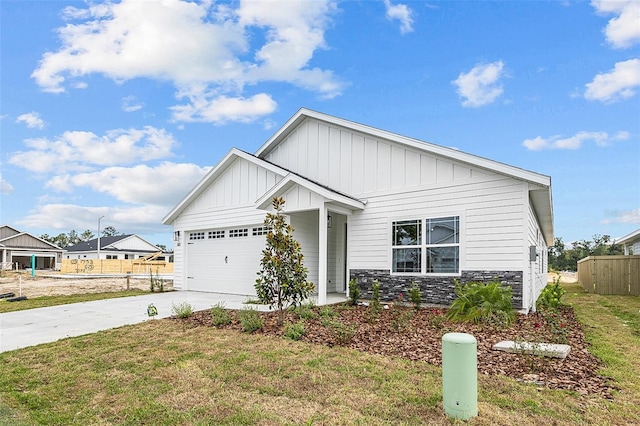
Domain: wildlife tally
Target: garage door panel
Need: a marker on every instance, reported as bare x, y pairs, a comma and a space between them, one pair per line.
225, 265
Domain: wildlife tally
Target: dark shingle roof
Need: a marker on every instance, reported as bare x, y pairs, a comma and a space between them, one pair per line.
93, 244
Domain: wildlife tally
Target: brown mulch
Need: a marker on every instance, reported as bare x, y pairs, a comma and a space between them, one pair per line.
417, 335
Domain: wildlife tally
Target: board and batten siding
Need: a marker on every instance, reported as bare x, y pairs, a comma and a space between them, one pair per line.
491, 216
305, 225
227, 202
358, 165
400, 182
535, 273
134, 243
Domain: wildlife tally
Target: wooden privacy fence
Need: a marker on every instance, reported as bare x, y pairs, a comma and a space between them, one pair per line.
115, 266
610, 274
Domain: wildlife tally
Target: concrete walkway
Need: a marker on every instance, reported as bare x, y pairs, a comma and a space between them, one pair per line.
43, 325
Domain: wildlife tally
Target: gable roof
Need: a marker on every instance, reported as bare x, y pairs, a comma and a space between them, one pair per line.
107, 243
42, 244
540, 185
91, 245
540, 188
454, 154
293, 179
213, 174
630, 239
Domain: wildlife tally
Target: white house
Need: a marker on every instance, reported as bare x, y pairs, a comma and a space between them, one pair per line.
130, 246
366, 204
631, 243
19, 249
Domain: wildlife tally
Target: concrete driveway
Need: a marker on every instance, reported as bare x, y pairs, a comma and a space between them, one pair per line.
43, 325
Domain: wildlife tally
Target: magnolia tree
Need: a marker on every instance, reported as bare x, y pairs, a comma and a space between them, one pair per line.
282, 279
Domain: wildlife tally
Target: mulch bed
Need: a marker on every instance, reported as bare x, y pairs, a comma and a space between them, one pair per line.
400, 331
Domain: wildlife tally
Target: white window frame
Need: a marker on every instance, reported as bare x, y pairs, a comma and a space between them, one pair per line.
423, 246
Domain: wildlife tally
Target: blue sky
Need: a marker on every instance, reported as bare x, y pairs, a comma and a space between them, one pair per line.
119, 109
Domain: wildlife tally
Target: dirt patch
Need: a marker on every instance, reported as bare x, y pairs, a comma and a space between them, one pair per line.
51, 285
566, 277
417, 335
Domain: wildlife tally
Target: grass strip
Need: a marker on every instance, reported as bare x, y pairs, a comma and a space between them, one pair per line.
45, 301
163, 372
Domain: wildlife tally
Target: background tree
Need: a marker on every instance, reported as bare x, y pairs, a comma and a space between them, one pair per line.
563, 259
282, 279
110, 231
86, 235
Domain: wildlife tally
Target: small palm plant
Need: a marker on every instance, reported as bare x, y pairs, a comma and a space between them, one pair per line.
487, 303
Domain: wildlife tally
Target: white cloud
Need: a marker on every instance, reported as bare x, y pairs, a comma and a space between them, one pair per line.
618, 84
576, 141
222, 109
146, 195
163, 185
220, 48
131, 104
481, 85
402, 13
626, 216
81, 151
5, 187
623, 31
31, 119
70, 216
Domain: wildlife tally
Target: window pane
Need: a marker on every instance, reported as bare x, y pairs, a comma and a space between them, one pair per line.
407, 260
445, 230
442, 260
407, 233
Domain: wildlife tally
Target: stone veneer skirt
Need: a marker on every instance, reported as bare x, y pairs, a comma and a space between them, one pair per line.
436, 290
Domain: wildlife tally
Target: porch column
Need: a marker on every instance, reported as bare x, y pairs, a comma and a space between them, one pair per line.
322, 254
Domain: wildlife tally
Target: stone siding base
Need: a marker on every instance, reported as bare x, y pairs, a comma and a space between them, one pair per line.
435, 290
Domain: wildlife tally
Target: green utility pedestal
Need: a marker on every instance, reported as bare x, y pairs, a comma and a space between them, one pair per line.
460, 375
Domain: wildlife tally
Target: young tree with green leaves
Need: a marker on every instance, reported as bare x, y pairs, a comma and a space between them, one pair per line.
282, 279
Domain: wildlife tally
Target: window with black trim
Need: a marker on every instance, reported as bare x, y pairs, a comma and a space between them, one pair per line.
216, 234
263, 230
235, 233
426, 246
196, 235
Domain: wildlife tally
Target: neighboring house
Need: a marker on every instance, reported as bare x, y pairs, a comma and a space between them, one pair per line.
369, 205
631, 243
19, 248
129, 246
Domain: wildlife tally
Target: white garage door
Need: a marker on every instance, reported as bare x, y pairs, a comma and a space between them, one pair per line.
224, 260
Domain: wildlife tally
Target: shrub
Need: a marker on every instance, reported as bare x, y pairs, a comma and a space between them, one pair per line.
550, 296
487, 303
354, 292
341, 332
436, 319
401, 320
415, 295
327, 312
375, 296
294, 331
182, 310
250, 320
219, 315
305, 311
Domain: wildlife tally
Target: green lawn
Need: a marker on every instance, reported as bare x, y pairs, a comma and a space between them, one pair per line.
44, 301
163, 373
